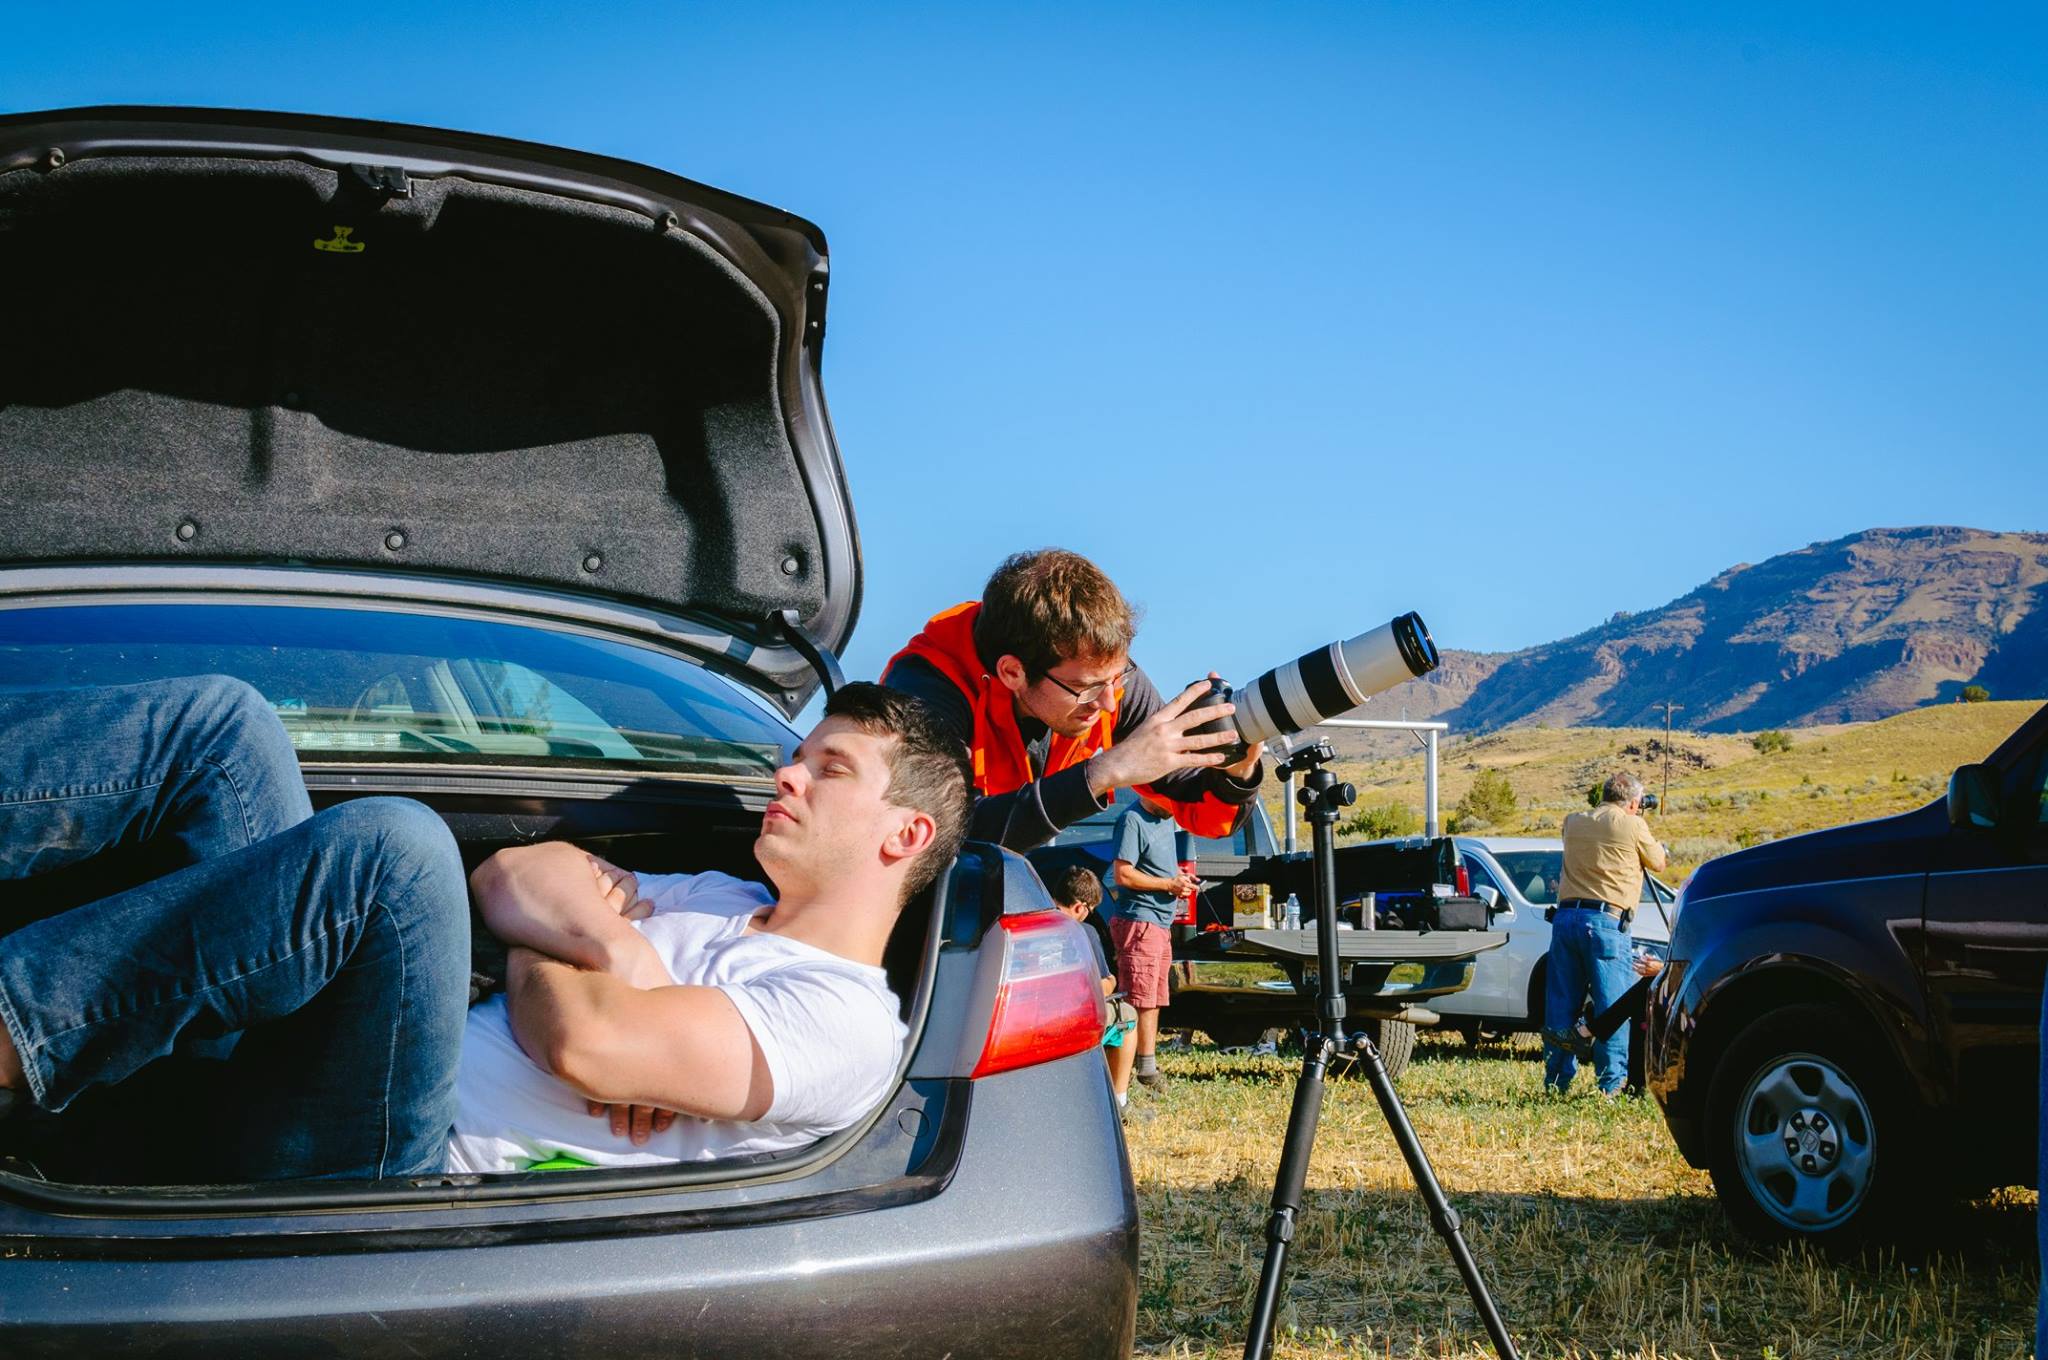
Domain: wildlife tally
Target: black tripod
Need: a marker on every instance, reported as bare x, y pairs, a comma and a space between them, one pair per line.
1321, 795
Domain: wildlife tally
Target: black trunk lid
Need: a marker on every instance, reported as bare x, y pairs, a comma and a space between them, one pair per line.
277, 339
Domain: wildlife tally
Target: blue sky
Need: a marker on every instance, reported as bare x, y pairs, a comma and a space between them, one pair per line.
1292, 316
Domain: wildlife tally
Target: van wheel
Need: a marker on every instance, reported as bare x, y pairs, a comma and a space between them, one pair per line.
1809, 1135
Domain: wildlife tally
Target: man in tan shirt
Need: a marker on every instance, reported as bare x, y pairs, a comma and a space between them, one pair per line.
1605, 853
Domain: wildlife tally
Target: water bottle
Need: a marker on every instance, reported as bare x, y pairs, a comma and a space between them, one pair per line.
1291, 918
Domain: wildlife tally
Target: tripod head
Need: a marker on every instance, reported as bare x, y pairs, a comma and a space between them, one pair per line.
1305, 758
1321, 793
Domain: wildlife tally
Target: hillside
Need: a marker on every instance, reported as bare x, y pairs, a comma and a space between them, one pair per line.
1724, 794
1849, 631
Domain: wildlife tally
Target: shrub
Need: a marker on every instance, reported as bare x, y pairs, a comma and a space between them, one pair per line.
1383, 821
1975, 694
1490, 799
1700, 849
1771, 743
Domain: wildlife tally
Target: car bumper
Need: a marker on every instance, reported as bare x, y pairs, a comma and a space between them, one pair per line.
1030, 1249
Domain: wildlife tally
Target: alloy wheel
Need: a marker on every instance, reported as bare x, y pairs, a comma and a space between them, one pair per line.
1805, 1143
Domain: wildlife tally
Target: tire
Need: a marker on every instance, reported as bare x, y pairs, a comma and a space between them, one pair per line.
1539, 984
1395, 1039
1235, 1033
1811, 1137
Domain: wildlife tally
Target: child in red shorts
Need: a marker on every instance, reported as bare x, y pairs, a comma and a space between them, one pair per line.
1150, 886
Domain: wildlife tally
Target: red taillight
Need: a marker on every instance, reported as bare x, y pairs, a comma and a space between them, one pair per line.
1464, 880
1049, 1003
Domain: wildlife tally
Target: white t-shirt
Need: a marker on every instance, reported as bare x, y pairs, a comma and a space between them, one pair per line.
827, 1026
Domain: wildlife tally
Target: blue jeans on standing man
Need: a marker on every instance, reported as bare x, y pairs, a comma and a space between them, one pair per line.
1589, 955
165, 884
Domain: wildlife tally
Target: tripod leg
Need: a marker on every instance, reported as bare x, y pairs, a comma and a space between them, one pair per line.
1287, 1187
1442, 1216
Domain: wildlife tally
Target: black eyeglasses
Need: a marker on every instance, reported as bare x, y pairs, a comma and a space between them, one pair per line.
1093, 692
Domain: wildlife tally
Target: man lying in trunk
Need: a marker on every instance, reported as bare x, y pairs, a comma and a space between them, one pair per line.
763, 1017
201, 979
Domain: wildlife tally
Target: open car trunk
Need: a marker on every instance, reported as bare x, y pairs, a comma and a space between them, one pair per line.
239, 338
901, 1151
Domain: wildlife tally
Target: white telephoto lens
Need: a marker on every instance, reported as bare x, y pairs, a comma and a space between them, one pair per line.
1334, 679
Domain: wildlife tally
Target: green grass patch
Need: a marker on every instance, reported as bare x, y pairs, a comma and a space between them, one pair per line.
1595, 1236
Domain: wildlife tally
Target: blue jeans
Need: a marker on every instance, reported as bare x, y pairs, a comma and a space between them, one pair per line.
1589, 954
164, 881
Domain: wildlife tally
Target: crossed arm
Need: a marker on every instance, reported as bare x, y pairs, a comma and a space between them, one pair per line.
592, 1003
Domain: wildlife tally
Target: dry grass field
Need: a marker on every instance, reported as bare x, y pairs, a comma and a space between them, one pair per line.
1597, 1239
1724, 793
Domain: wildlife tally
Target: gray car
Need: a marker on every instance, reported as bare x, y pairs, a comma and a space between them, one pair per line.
504, 473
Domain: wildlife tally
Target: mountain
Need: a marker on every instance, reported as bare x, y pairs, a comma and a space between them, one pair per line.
1848, 631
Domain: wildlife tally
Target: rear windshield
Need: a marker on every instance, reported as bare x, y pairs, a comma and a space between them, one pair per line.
360, 685
1536, 872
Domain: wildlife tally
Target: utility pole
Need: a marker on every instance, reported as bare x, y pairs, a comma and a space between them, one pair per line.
1669, 708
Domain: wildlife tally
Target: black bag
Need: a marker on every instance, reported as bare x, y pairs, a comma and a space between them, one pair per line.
1461, 913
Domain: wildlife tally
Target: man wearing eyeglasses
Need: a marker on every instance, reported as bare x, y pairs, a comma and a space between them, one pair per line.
1037, 680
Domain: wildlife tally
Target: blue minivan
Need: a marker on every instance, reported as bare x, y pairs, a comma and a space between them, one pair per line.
1850, 1021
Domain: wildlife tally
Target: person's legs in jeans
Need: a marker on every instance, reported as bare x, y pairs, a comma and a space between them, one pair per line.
1564, 994
1610, 977
103, 788
340, 945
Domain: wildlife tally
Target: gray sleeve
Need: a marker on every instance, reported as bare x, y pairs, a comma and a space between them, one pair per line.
1130, 838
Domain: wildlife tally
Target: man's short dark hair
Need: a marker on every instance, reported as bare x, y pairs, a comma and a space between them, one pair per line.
1048, 606
1076, 886
928, 769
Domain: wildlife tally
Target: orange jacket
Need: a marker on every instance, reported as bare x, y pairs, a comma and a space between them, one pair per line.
1002, 763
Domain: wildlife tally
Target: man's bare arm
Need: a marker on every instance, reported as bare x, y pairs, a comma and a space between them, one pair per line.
1129, 875
676, 1048
550, 898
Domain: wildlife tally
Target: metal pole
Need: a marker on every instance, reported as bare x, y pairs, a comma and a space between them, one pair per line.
1669, 708
1432, 825
1287, 797
1429, 823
